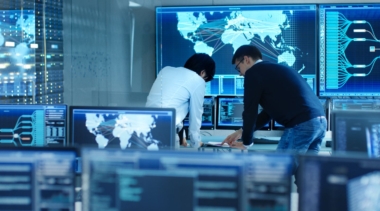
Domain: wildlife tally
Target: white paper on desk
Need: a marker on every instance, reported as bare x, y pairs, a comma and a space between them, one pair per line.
216, 144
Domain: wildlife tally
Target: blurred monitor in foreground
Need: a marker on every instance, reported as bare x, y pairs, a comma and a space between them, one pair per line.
180, 180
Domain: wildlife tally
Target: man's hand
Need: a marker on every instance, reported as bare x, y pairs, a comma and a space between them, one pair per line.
232, 138
238, 145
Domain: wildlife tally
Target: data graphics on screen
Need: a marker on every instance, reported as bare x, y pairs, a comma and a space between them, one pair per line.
17, 55
285, 34
349, 50
33, 125
37, 179
140, 128
330, 183
357, 131
146, 180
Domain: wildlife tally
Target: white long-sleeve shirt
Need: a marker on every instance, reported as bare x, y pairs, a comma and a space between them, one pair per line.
184, 90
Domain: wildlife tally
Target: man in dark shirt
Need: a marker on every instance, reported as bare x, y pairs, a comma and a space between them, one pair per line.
284, 96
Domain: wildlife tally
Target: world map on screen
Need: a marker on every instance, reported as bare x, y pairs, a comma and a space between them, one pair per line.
239, 28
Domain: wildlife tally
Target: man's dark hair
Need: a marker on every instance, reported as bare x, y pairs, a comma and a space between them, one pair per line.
199, 62
247, 50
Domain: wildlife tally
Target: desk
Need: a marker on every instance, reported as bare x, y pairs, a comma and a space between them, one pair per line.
259, 147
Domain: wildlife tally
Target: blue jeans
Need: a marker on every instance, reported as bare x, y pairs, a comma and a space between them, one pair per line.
303, 138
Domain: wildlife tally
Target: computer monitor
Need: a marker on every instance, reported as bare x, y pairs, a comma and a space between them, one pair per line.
208, 116
122, 127
330, 183
173, 180
355, 104
356, 131
32, 178
348, 53
285, 34
33, 125
229, 113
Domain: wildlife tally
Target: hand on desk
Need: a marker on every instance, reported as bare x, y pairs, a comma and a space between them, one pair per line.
232, 138
238, 145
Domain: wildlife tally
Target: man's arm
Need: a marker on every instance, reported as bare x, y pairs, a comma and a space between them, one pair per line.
262, 119
195, 114
252, 94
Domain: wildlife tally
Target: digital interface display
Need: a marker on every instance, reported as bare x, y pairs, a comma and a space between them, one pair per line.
208, 121
356, 104
145, 180
33, 125
330, 183
37, 179
229, 113
357, 131
349, 50
139, 128
285, 34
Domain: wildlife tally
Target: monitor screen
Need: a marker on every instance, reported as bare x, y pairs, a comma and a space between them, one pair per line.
208, 120
330, 183
229, 113
279, 31
33, 125
356, 131
355, 104
173, 180
141, 128
37, 179
348, 52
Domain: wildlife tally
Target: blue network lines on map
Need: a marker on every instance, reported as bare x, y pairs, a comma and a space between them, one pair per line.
28, 131
337, 42
277, 30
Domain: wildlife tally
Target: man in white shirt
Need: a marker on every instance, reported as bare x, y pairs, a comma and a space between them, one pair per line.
183, 88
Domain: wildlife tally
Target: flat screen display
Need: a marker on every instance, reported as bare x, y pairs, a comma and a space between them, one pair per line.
37, 179
348, 49
229, 113
285, 34
139, 128
183, 180
33, 125
356, 131
330, 183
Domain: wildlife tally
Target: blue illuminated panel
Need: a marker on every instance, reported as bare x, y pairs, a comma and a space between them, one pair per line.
37, 179
229, 113
33, 125
343, 183
285, 34
145, 180
348, 51
141, 128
